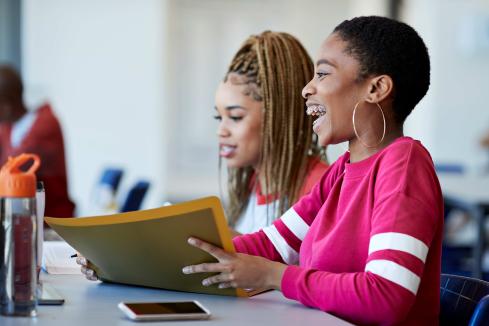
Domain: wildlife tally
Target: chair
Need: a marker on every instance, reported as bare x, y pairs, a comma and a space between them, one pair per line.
453, 168
135, 197
454, 258
463, 301
111, 177
104, 192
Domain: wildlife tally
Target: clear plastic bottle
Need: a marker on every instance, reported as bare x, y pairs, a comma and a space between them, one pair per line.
18, 235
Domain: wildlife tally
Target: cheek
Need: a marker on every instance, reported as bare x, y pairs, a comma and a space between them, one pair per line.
251, 136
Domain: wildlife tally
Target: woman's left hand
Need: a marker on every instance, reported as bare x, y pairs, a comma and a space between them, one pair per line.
237, 270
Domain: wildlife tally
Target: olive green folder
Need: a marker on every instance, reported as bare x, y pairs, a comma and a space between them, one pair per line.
149, 247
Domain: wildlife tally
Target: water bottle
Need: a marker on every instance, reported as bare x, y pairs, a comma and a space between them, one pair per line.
18, 276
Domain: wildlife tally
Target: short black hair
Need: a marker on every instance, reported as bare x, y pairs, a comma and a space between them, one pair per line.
386, 46
11, 87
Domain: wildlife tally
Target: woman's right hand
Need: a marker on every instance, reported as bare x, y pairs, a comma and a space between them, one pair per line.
86, 268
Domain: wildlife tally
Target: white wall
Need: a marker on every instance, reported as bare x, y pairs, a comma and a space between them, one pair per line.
454, 115
204, 37
101, 63
133, 81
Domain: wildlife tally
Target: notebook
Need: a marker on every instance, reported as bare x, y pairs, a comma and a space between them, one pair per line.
149, 247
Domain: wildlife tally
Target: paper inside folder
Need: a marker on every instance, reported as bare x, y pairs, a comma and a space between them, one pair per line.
56, 258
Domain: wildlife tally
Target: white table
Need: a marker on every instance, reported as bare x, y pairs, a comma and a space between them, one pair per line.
95, 303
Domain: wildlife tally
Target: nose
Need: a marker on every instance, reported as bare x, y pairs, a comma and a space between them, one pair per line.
222, 131
308, 90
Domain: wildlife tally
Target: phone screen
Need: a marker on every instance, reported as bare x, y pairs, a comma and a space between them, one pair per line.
161, 308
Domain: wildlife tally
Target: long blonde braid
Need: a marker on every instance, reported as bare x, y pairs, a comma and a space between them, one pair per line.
276, 67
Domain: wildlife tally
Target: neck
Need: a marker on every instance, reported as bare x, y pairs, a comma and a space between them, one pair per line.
359, 152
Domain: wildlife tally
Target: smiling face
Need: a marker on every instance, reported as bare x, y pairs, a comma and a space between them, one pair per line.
333, 92
240, 120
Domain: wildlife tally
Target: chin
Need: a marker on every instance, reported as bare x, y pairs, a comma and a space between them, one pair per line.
324, 140
232, 164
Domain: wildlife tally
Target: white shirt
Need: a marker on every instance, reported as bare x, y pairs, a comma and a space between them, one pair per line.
21, 128
254, 217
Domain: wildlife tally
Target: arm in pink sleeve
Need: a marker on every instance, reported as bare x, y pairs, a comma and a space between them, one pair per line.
256, 244
281, 241
386, 290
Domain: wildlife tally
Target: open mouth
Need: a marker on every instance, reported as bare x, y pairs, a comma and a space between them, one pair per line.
227, 151
316, 110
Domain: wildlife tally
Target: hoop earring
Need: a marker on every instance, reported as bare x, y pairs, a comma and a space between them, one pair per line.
356, 132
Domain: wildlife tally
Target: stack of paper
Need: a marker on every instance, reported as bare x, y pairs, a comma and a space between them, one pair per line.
56, 258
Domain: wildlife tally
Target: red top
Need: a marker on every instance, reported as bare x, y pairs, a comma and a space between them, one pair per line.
367, 239
45, 139
315, 170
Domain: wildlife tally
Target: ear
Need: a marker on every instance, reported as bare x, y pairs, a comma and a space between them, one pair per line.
380, 88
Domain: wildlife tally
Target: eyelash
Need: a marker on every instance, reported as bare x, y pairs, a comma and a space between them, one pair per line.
235, 119
321, 74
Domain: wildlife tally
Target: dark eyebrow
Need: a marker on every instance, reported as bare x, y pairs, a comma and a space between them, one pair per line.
232, 107
325, 62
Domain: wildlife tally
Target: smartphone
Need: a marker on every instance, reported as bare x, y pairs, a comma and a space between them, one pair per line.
49, 296
164, 310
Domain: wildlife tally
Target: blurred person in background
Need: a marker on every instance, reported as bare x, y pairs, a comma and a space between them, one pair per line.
265, 136
37, 131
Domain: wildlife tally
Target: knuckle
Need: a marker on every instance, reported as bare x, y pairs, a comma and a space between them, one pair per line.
229, 268
205, 267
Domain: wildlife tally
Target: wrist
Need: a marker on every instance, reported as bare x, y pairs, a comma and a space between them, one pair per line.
275, 277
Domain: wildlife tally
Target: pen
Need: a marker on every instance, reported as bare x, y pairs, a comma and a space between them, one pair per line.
73, 256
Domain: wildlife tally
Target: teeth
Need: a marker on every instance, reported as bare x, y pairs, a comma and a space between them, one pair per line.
227, 149
316, 110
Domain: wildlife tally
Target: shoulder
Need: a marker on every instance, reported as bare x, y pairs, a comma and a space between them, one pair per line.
406, 166
405, 156
405, 148
45, 114
46, 123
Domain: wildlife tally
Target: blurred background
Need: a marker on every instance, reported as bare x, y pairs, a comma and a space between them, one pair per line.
133, 82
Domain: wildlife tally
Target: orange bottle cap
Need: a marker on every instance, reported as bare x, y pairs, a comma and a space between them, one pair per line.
17, 183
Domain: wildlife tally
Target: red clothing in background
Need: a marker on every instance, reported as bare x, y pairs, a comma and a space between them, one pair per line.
45, 139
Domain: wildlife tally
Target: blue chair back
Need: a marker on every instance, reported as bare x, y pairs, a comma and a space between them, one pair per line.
481, 314
135, 197
112, 178
449, 168
463, 301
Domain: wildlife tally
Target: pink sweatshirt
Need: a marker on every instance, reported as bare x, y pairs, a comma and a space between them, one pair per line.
367, 239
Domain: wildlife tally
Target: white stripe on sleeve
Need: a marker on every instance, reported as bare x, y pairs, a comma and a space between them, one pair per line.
295, 223
288, 254
398, 241
395, 273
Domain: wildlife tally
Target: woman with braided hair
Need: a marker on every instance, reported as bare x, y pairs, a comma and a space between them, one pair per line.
264, 133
